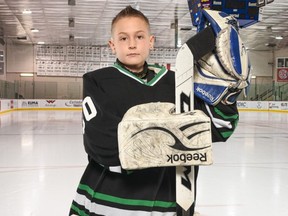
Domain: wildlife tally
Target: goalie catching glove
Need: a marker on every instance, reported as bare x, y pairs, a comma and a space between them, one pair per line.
222, 74
152, 135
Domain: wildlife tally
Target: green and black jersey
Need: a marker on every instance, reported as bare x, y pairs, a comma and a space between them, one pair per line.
105, 188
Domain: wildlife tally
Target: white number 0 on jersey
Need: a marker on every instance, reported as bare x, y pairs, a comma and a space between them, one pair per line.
88, 113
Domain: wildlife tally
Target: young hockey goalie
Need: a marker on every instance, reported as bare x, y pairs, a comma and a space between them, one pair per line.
105, 187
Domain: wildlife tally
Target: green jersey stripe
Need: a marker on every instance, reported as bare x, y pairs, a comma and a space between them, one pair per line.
124, 201
234, 117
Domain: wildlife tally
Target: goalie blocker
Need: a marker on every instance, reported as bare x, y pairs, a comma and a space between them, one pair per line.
152, 135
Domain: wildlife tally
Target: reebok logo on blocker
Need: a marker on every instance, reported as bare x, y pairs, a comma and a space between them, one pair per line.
178, 145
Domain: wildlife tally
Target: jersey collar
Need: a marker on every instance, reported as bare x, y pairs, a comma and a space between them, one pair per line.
160, 71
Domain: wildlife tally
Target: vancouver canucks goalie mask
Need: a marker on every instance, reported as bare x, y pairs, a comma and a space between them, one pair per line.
222, 74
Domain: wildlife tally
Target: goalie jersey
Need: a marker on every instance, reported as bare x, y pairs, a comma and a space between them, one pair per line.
107, 189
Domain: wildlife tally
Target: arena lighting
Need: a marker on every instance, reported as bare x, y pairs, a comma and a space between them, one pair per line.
278, 37
26, 11
34, 30
26, 74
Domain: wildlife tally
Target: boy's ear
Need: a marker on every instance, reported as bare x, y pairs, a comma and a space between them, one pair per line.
152, 40
112, 46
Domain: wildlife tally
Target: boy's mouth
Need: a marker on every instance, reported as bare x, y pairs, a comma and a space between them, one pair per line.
132, 54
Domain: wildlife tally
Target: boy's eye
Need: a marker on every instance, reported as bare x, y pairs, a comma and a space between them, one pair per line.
123, 38
140, 36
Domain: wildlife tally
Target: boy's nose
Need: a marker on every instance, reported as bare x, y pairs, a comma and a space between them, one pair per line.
132, 44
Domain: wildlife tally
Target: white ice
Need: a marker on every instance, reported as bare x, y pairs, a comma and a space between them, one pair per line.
42, 159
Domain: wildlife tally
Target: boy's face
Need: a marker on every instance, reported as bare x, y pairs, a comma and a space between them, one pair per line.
131, 42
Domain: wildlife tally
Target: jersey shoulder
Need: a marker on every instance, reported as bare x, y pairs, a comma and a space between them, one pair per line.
101, 73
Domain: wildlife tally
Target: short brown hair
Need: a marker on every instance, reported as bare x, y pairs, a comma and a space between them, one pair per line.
129, 12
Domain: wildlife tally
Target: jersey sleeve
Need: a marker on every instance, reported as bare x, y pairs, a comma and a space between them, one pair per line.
224, 119
99, 123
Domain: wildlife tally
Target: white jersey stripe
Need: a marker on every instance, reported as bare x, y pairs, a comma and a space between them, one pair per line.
110, 211
219, 123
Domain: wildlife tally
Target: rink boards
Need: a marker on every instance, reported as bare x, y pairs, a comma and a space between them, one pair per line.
7, 105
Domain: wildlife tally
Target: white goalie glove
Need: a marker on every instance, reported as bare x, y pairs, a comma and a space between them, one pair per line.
152, 135
222, 74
